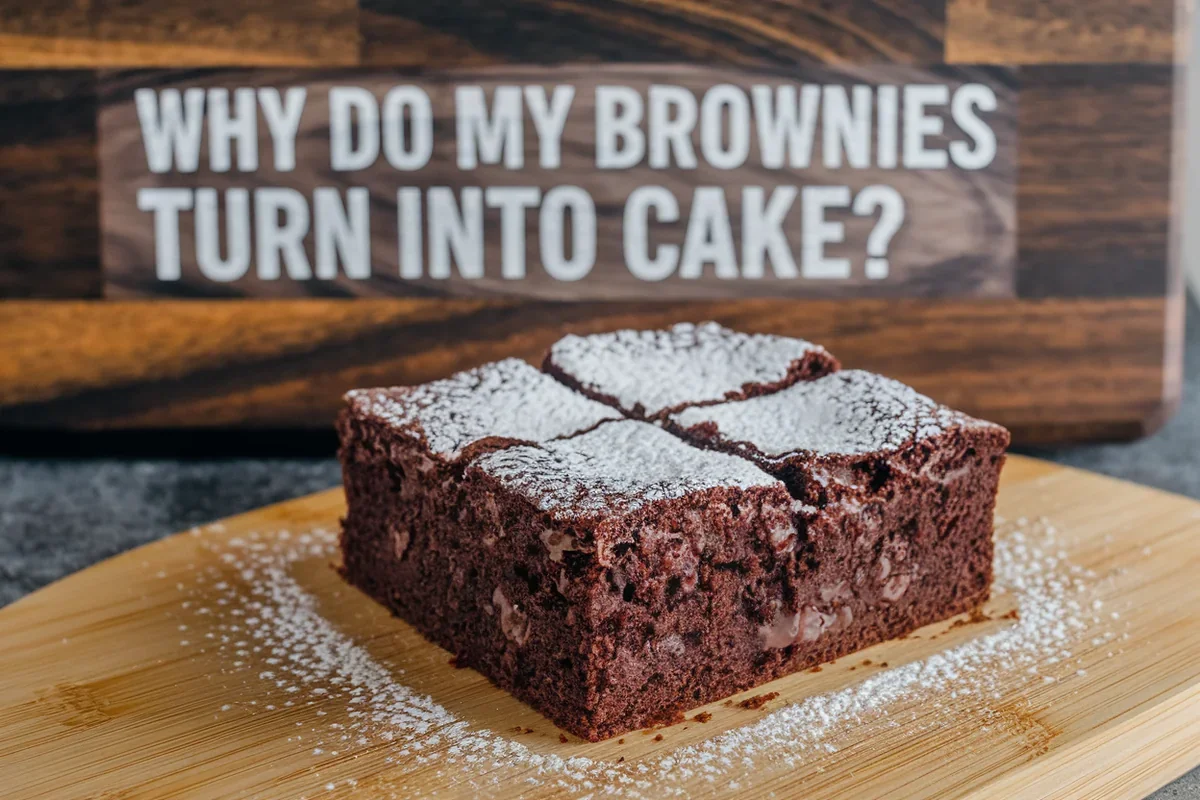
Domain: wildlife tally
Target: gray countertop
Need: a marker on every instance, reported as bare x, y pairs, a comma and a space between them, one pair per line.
58, 515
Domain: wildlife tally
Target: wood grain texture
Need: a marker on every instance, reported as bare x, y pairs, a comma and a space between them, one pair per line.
471, 32
103, 33
101, 697
1091, 348
49, 185
1049, 369
1095, 164
1060, 31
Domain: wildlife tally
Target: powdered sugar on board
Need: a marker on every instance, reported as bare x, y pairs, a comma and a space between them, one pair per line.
661, 369
618, 467
280, 654
850, 412
507, 398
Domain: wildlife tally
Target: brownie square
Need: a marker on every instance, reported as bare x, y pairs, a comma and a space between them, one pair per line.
403, 451
648, 374
620, 576
897, 496
493, 404
609, 579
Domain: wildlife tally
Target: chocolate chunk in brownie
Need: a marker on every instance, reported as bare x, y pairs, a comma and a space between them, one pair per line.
647, 374
895, 487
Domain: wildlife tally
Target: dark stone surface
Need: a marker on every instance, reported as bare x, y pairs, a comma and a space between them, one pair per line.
58, 515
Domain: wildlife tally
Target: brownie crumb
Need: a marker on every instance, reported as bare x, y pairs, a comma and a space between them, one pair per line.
666, 722
817, 668
620, 741
1014, 614
621, 760
729, 703
975, 617
562, 737
866, 662
703, 716
758, 701
883, 664
658, 738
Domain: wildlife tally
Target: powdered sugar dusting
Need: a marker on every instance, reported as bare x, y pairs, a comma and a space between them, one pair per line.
507, 398
851, 412
657, 370
619, 466
268, 629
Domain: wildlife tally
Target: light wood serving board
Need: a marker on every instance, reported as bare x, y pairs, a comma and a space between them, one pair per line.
103, 693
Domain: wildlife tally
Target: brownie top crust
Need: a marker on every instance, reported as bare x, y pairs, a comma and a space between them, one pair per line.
850, 413
507, 399
614, 469
645, 373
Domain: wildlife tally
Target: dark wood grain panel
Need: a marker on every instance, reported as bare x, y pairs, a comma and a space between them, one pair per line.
1094, 195
104, 33
705, 31
49, 187
1060, 31
32, 34
957, 238
1094, 156
1090, 348
1047, 368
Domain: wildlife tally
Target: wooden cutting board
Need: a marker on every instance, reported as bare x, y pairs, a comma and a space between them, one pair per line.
115, 682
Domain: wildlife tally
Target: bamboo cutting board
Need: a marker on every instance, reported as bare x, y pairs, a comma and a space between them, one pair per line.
161, 673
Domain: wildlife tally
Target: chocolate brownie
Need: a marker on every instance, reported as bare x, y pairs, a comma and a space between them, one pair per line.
403, 451
609, 579
648, 374
629, 571
612, 573
896, 489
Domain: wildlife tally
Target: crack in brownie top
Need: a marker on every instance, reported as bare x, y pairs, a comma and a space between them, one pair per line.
507, 399
649, 372
847, 413
616, 468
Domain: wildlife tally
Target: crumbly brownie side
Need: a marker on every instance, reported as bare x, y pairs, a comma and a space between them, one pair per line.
403, 451
896, 490
648, 374
623, 575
